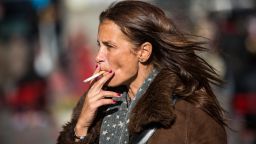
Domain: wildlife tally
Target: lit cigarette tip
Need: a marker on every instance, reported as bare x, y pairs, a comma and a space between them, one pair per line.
93, 76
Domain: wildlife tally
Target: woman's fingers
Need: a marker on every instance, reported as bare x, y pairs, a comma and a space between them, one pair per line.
102, 102
105, 94
100, 83
103, 98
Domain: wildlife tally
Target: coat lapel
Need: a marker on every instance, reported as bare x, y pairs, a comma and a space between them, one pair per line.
155, 106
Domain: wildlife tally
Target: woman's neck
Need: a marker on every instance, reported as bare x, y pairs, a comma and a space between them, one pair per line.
143, 73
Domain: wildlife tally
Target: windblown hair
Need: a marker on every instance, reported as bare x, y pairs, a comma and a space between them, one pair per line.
142, 22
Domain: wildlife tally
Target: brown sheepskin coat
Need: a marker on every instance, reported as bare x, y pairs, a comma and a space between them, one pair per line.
182, 123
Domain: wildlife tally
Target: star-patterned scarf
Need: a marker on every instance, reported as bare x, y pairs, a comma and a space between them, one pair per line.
114, 126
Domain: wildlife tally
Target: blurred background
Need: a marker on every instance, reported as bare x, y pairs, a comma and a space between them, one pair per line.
47, 48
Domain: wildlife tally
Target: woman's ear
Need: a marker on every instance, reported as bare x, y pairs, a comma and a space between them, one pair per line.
145, 52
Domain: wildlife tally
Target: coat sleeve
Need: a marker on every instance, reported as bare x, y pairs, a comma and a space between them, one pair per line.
66, 136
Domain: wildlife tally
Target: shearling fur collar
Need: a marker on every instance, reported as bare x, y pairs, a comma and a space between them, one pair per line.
155, 106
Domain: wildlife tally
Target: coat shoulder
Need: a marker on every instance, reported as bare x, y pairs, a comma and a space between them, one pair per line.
192, 126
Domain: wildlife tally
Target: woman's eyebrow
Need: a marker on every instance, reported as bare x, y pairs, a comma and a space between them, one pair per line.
109, 43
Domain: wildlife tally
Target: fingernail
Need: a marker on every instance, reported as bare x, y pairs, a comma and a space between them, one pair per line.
110, 71
118, 94
96, 66
114, 102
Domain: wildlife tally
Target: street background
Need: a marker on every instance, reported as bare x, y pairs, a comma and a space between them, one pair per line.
47, 47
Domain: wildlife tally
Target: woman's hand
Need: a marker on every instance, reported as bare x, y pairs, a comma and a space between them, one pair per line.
94, 99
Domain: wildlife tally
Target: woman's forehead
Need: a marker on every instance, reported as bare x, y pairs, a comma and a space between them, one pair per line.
108, 30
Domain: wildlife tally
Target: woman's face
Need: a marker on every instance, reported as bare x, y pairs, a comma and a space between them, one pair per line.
116, 53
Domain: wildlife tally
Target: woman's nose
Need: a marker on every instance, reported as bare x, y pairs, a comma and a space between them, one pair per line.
100, 56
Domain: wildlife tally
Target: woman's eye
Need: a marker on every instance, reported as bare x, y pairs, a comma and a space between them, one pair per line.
109, 46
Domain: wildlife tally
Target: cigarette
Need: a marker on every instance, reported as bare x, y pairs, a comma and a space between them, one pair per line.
94, 76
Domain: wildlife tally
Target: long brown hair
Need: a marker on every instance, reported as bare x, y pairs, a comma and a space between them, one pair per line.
142, 22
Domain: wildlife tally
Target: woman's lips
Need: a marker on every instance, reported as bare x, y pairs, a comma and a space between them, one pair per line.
104, 69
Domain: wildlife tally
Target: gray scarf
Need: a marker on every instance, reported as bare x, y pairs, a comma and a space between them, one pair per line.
114, 126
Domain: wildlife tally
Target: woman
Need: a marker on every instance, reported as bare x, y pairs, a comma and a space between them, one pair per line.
155, 89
